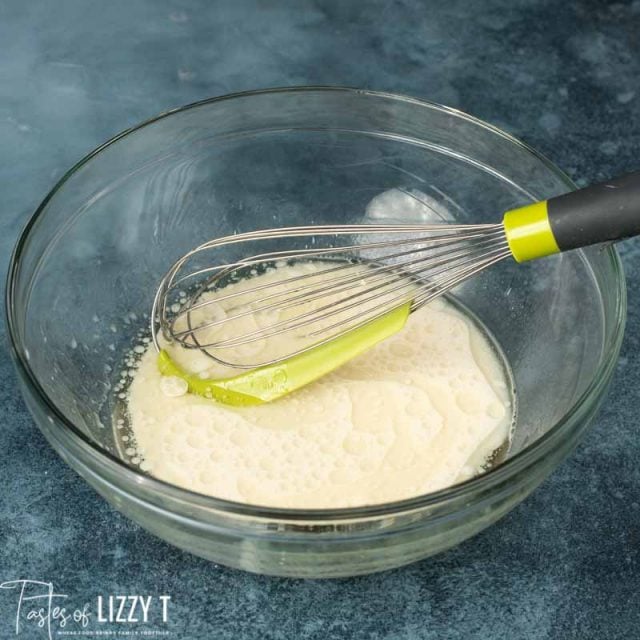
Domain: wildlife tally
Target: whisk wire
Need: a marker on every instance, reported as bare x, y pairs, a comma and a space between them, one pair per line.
335, 284
345, 304
364, 280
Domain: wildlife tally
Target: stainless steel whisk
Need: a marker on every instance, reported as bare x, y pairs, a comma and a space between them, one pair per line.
412, 264
378, 269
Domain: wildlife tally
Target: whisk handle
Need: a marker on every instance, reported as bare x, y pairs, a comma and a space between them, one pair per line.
606, 211
598, 213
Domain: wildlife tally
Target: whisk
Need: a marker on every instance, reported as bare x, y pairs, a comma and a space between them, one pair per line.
364, 282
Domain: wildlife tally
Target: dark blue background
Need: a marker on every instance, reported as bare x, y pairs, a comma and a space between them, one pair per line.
563, 76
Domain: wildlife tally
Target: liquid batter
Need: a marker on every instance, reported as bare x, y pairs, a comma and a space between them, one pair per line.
422, 410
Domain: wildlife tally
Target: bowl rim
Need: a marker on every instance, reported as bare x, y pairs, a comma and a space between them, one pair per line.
528, 456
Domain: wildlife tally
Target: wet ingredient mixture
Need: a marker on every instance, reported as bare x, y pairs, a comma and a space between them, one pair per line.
425, 409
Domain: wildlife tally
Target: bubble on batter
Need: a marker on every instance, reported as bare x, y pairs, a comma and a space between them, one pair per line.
497, 410
173, 386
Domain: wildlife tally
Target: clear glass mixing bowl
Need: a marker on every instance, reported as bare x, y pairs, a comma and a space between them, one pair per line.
85, 270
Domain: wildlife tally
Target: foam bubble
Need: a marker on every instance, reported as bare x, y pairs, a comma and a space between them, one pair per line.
173, 387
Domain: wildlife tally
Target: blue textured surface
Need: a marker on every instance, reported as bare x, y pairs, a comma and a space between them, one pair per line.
562, 76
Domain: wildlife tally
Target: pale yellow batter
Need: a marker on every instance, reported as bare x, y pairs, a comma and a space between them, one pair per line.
421, 411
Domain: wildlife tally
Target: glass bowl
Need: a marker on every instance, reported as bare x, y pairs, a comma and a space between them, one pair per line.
85, 269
